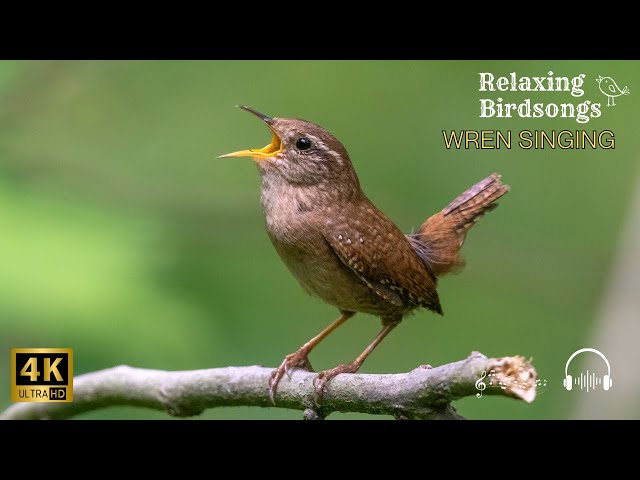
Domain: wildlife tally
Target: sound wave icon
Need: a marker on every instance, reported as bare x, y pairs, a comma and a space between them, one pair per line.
587, 381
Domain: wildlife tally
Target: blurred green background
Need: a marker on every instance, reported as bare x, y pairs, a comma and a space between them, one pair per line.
122, 235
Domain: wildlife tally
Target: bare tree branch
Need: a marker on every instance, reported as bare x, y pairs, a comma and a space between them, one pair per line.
423, 393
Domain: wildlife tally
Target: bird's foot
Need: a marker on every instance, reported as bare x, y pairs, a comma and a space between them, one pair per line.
297, 359
320, 382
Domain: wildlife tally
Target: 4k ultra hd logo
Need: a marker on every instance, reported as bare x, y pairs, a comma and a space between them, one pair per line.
41, 375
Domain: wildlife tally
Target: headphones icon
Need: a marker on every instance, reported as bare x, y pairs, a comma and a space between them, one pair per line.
568, 379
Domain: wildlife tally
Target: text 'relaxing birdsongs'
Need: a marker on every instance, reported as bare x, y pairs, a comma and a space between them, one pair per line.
502, 107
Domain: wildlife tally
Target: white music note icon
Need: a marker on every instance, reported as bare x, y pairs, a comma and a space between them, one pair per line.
480, 385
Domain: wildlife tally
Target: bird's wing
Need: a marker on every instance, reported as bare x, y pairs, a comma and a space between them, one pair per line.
380, 255
612, 89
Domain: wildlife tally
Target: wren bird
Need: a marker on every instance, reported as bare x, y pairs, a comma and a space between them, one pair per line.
344, 250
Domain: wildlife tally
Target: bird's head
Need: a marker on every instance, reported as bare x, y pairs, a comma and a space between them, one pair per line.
604, 81
302, 153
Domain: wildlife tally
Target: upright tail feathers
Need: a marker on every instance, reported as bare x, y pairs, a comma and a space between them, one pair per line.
439, 239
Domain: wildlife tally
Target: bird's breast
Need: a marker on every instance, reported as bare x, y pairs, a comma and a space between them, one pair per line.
288, 211
322, 274
295, 221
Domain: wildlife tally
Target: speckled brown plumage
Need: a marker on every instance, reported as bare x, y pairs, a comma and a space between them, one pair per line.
380, 255
343, 249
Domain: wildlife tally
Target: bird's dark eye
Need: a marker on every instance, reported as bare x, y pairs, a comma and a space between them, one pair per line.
303, 143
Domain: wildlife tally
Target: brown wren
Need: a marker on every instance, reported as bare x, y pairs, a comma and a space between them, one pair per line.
341, 248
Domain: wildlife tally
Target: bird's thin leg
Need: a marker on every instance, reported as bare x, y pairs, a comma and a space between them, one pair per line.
300, 358
321, 380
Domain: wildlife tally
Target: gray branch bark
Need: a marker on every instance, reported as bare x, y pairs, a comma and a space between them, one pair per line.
423, 393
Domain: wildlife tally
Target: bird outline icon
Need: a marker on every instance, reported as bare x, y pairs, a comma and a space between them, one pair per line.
610, 88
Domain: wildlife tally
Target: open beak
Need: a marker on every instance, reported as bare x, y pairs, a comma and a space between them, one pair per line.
259, 153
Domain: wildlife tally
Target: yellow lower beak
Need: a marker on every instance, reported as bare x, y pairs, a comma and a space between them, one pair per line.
259, 153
